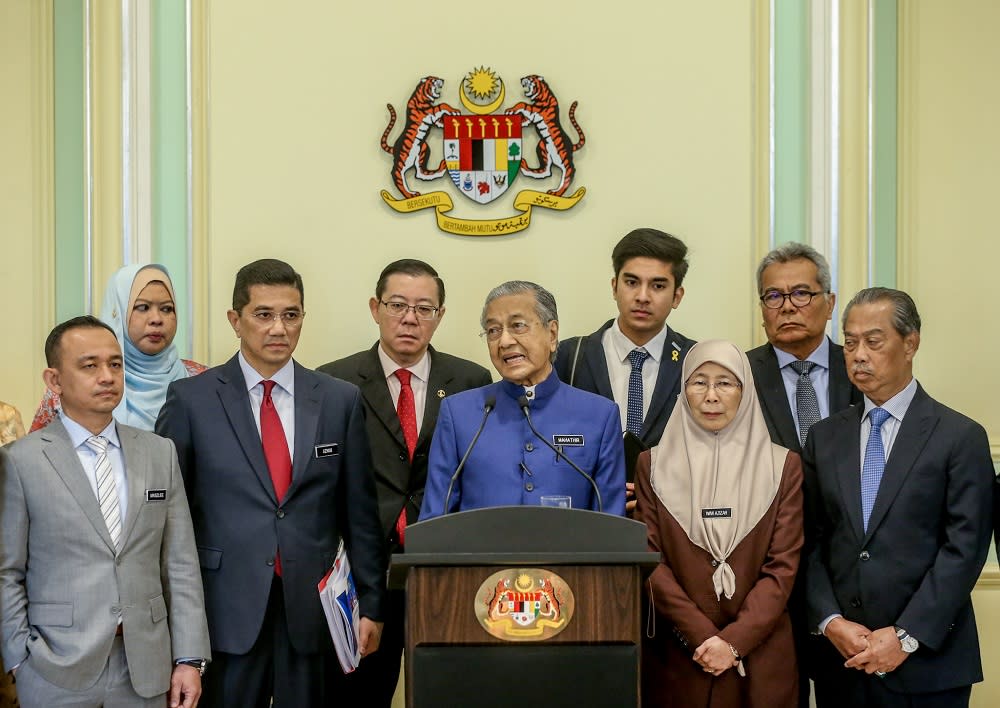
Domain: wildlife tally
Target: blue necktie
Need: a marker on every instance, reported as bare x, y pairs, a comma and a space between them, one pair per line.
874, 465
633, 413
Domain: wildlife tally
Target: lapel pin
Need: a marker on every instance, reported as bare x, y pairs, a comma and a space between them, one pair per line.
440, 393
675, 355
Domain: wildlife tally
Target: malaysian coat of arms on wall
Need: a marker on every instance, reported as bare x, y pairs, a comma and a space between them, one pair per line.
482, 151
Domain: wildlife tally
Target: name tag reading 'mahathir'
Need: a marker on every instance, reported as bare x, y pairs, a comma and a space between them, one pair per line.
722, 512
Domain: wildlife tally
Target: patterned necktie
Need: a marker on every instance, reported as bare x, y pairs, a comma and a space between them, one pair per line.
406, 409
806, 403
633, 413
874, 465
279, 461
107, 491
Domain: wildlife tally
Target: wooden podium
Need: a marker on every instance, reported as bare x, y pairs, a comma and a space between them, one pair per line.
452, 660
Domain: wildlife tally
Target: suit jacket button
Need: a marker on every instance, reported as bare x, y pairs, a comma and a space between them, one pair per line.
529, 447
529, 486
855, 602
865, 555
270, 562
280, 513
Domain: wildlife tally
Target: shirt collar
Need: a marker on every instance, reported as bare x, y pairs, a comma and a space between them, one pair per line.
422, 369
543, 390
623, 346
897, 405
78, 435
284, 377
820, 355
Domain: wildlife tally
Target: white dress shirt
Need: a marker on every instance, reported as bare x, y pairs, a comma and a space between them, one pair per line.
79, 436
283, 396
617, 347
421, 372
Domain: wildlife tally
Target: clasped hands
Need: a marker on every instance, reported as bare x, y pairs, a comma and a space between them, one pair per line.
874, 652
715, 656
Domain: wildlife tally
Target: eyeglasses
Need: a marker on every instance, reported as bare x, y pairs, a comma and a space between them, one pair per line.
725, 387
515, 329
399, 309
290, 318
774, 299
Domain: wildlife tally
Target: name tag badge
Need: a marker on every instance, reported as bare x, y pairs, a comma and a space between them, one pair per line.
725, 512
567, 440
156, 495
327, 450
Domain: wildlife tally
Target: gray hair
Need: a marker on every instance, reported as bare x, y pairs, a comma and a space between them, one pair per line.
905, 318
545, 302
792, 252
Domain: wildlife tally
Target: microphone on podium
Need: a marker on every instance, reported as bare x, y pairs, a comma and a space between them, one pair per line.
491, 403
523, 403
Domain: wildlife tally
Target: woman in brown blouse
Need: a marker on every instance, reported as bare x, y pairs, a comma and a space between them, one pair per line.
723, 508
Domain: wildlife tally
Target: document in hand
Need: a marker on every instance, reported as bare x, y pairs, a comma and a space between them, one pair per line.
340, 604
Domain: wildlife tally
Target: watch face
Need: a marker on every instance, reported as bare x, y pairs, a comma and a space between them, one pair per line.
909, 644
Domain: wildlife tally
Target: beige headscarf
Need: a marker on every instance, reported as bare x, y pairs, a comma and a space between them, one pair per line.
737, 469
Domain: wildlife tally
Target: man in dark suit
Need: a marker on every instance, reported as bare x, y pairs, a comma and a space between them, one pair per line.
635, 359
99, 584
796, 302
899, 496
276, 463
408, 307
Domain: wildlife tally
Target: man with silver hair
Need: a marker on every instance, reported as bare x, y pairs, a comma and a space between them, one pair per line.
528, 439
799, 375
899, 501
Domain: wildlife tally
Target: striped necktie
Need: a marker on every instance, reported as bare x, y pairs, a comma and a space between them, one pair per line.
107, 491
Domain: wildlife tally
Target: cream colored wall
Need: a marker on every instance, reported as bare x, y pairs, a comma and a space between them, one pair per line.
25, 199
298, 104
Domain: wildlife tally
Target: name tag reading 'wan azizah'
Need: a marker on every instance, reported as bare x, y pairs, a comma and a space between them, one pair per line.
722, 512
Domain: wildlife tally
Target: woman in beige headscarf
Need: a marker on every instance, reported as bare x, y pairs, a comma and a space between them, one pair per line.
723, 507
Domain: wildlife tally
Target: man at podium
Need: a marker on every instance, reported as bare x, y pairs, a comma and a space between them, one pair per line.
529, 439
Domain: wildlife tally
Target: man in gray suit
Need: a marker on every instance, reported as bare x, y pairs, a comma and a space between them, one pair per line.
100, 589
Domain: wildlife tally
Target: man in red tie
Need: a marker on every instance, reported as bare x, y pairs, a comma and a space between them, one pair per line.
276, 464
403, 380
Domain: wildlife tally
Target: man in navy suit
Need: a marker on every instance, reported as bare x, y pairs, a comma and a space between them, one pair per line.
649, 269
276, 464
899, 501
408, 306
796, 302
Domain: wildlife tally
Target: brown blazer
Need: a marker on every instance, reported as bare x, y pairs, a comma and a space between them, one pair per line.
755, 621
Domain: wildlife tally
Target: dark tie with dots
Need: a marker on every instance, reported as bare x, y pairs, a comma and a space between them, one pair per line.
633, 413
806, 403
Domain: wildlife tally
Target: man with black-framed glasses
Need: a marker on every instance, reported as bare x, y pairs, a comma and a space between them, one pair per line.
403, 380
799, 374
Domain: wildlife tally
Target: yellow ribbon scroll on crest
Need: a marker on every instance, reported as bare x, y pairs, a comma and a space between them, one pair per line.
523, 202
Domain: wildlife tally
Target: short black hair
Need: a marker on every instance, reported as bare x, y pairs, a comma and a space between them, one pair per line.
409, 266
53, 343
266, 271
652, 243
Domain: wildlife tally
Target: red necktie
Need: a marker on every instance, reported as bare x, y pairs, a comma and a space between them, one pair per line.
279, 462
406, 409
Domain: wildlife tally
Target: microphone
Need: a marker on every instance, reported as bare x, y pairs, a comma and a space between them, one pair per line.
523, 403
491, 403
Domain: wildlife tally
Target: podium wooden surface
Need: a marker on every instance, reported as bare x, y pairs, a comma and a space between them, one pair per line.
453, 661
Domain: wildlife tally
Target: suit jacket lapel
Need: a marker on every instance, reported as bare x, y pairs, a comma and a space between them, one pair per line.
439, 380
307, 408
593, 361
914, 432
62, 457
236, 404
848, 466
375, 391
667, 377
775, 399
137, 473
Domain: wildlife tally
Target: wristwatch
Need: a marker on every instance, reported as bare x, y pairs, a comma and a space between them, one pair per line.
199, 664
909, 644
